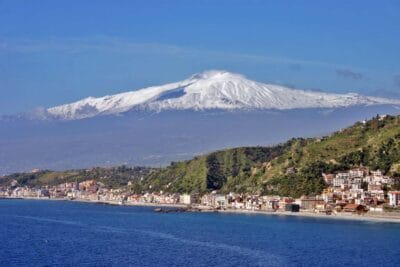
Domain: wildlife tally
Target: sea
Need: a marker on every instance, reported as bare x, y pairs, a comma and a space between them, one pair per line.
65, 233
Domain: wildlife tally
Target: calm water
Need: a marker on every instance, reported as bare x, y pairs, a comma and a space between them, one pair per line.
49, 233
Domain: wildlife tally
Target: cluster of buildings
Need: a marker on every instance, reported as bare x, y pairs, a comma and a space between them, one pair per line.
358, 190
90, 190
369, 189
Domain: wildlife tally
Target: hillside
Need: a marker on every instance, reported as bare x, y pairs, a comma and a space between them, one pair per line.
368, 143
230, 167
293, 168
236, 169
111, 177
374, 144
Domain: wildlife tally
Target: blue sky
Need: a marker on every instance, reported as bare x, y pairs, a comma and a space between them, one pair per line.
53, 52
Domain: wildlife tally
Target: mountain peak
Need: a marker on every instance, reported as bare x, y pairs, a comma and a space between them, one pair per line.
212, 74
212, 89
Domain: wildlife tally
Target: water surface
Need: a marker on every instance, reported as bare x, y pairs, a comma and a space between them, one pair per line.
60, 233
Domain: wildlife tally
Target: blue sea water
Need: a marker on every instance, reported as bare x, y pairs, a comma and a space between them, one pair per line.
60, 233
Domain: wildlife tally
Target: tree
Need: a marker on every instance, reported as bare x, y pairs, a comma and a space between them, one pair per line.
215, 176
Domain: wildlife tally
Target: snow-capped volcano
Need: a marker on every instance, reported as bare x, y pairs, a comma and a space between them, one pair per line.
212, 90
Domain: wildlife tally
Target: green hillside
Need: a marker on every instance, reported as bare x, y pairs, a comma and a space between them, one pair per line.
236, 169
360, 144
111, 177
375, 144
290, 169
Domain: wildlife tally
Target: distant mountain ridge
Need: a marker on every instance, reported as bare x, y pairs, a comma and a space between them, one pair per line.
211, 90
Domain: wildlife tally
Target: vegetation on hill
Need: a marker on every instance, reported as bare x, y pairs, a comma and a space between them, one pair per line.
227, 170
292, 169
374, 144
115, 177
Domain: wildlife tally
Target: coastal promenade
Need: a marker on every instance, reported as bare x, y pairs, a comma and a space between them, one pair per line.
387, 217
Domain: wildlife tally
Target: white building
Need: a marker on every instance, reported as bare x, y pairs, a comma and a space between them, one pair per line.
356, 173
356, 186
338, 181
394, 198
220, 201
187, 199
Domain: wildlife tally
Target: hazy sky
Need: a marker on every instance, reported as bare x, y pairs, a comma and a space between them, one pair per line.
53, 52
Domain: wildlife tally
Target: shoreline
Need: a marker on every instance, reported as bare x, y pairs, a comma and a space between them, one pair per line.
308, 214
383, 217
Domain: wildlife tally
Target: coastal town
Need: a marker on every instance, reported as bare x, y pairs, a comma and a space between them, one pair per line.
357, 191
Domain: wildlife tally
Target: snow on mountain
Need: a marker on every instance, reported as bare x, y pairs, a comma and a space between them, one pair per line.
212, 90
